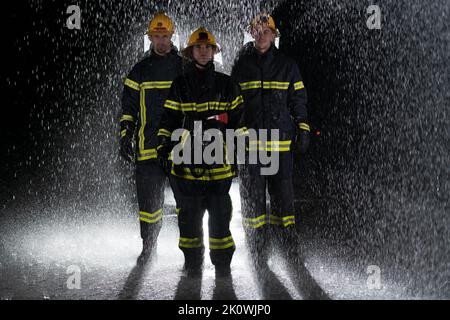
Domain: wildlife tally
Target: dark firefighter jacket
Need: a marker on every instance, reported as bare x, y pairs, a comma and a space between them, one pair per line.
274, 95
196, 96
145, 91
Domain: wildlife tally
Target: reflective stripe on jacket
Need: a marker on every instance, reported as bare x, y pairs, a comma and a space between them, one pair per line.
200, 95
274, 95
145, 90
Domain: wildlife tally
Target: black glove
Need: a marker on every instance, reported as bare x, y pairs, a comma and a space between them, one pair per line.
163, 157
302, 141
127, 149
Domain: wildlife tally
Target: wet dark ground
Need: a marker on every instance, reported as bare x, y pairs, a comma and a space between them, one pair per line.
40, 248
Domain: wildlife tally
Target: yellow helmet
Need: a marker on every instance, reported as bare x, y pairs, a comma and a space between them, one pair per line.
160, 24
201, 36
261, 19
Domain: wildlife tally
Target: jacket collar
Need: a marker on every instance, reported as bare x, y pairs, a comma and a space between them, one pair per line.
151, 52
191, 67
267, 56
203, 77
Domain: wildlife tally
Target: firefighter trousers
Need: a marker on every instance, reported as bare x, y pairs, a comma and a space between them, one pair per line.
193, 198
261, 222
150, 182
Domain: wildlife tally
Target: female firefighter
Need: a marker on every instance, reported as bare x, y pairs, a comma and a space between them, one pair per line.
201, 99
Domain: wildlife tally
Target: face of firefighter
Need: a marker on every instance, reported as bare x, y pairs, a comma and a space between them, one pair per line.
264, 37
203, 53
162, 43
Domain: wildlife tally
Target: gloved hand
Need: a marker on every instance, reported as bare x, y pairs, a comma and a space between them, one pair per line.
126, 148
163, 158
302, 141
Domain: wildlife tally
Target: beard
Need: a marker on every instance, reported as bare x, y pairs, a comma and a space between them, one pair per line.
162, 48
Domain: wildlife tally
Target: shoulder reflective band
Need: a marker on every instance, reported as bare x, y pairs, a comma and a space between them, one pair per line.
223, 243
304, 126
190, 243
265, 85
164, 132
126, 117
299, 85
147, 154
123, 133
150, 217
156, 85
284, 221
132, 84
254, 222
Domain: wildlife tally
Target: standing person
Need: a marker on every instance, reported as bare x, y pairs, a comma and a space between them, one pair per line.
144, 93
275, 98
209, 98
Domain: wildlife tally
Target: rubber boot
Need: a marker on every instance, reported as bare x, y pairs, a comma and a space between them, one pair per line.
223, 270
258, 245
193, 262
148, 251
288, 244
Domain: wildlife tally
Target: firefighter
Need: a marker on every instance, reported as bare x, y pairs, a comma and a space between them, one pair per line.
275, 98
144, 93
205, 97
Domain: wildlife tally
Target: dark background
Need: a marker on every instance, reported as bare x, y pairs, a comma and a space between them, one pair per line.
375, 179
